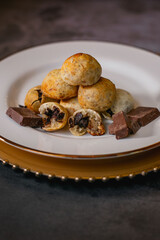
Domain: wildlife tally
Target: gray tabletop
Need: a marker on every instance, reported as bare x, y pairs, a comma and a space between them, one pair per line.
37, 208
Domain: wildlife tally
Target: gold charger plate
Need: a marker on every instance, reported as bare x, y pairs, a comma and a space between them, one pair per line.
139, 163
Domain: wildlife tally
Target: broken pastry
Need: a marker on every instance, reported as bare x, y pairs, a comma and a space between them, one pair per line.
98, 97
35, 98
81, 69
54, 116
86, 120
72, 105
123, 102
54, 87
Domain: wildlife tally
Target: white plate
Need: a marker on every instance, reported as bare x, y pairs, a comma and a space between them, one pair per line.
132, 69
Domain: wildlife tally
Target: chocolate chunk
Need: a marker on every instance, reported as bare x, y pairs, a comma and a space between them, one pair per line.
119, 127
122, 133
84, 122
48, 112
122, 126
80, 120
77, 118
143, 115
24, 117
55, 112
60, 116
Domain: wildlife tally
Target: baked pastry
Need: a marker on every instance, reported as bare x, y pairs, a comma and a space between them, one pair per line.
123, 102
71, 105
86, 120
81, 69
54, 87
34, 98
98, 97
54, 116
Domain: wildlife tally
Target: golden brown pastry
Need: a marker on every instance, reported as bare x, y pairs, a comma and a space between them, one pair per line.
54, 116
34, 98
71, 105
81, 69
86, 120
123, 102
98, 97
54, 87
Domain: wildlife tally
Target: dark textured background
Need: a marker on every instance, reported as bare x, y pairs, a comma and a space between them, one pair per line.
36, 208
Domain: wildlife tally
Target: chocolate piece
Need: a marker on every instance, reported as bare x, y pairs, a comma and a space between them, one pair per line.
143, 115
122, 133
119, 127
80, 120
84, 122
122, 126
24, 117
77, 118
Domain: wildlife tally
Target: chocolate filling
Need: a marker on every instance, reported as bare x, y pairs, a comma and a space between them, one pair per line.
55, 113
77, 118
84, 122
80, 120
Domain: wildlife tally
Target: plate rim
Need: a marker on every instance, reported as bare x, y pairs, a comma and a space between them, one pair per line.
74, 156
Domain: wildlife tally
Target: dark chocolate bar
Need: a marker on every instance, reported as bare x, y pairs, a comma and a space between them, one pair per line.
24, 117
143, 115
122, 126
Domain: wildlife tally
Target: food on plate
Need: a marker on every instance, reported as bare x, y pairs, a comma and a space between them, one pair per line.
83, 95
122, 126
144, 115
34, 98
54, 116
98, 97
81, 69
123, 102
86, 120
71, 105
54, 87
24, 117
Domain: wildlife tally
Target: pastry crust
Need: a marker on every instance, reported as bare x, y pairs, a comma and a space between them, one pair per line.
35, 98
123, 102
81, 69
71, 105
54, 87
86, 120
98, 97
54, 116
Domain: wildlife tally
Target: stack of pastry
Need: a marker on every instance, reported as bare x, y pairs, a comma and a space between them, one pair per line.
77, 94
